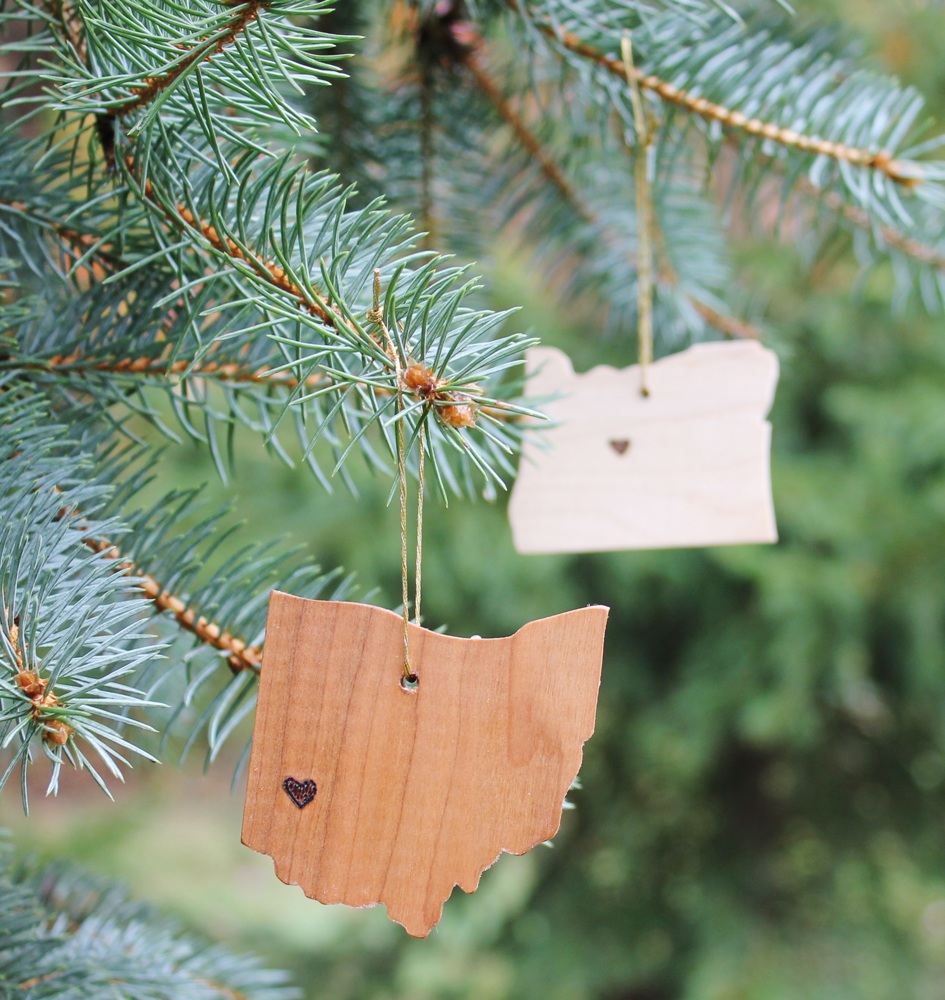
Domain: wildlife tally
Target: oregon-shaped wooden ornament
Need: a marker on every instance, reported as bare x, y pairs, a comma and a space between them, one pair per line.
364, 790
686, 465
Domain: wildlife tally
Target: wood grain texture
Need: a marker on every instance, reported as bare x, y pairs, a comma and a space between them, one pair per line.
688, 465
417, 790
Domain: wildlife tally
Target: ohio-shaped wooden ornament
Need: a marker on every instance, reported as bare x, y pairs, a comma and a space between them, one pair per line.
365, 791
686, 465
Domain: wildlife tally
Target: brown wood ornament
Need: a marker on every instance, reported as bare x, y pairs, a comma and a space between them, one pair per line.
363, 790
685, 465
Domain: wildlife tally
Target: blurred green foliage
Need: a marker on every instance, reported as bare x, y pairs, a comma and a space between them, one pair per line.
762, 808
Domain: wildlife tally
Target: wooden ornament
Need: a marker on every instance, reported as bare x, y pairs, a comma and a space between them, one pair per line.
685, 465
364, 790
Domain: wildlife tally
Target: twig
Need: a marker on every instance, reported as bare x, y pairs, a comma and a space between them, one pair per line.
880, 160
241, 655
153, 85
222, 371
526, 136
73, 243
856, 216
46, 706
72, 28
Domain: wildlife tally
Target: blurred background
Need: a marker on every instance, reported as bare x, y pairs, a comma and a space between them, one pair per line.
762, 810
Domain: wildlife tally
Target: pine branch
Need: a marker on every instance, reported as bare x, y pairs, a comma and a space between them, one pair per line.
728, 325
882, 161
70, 23
526, 136
211, 64
65, 934
879, 160
105, 263
420, 382
883, 237
240, 656
924, 253
266, 272
80, 247
225, 35
449, 406
433, 331
223, 371
69, 629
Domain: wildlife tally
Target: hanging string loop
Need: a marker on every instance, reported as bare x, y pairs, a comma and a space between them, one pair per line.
376, 315
645, 218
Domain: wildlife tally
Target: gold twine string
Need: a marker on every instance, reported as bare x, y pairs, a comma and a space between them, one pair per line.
402, 478
418, 572
644, 218
376, 316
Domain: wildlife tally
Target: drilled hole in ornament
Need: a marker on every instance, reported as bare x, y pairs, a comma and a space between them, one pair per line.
410, 682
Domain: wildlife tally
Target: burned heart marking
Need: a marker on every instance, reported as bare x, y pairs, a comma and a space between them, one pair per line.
620, 445
301, 792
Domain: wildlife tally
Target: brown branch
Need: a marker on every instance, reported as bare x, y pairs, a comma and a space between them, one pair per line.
241, 656
455, 408
222, 371
880, 160
728, 325
856, 216
72, 242
72, 27
731, 326
182, 217
526, 137
154, 85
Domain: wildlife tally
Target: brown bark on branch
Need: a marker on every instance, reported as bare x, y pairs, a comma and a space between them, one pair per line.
880, 160
241, 655
154, 85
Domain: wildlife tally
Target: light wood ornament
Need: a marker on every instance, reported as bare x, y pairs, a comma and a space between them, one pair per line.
687, 465
364, 791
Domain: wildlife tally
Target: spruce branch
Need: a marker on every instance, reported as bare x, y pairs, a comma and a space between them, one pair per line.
422, 382
182, 217
223, 371
221, 66
883, 238
67, 18
908, 175
70, 631
240, 656
224, 35
65, 934
82, 248
343, 327
922, 252
880, 160
528, 139
728, 325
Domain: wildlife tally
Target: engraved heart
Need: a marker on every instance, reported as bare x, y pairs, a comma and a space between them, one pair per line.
620, 445
301, 792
